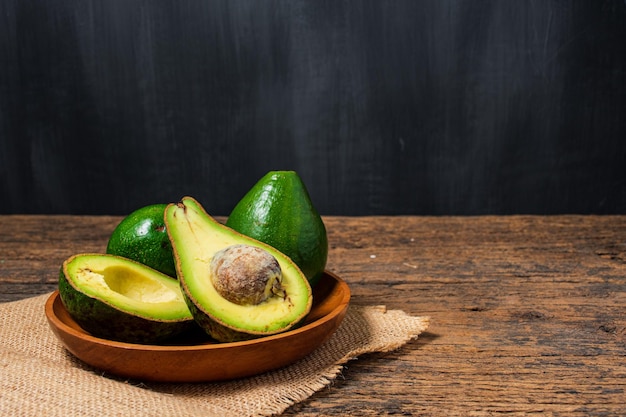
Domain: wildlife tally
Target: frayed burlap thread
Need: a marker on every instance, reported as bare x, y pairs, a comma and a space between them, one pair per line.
39, 377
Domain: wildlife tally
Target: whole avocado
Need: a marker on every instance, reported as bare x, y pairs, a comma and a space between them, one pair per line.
278, 211
142, 237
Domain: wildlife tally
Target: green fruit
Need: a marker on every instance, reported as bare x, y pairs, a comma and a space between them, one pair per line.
120, 299
278, 211
237, 288
141, 236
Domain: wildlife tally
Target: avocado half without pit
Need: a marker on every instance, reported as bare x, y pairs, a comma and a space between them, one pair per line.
120, 299
237, 288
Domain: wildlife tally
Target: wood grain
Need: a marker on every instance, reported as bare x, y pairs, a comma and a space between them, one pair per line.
527, 312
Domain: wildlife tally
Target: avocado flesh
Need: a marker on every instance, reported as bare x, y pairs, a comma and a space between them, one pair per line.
119, 299
196, 237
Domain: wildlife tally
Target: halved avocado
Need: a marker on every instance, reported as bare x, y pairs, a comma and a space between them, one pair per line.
202, 246
120, 299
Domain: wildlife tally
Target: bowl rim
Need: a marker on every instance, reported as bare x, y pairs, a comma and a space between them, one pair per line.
54, 300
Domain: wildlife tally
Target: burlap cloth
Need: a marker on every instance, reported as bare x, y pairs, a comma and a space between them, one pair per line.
38, 377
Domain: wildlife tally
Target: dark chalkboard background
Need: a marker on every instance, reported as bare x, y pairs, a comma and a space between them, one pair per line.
383, 107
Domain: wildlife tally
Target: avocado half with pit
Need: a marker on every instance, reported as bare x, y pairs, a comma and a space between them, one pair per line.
119, 299
236, 287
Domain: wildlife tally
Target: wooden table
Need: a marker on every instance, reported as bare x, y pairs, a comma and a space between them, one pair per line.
528, 312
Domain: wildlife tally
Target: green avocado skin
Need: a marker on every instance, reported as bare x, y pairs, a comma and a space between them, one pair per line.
215, 330
105, 321
218, 331
141, 236
278, 211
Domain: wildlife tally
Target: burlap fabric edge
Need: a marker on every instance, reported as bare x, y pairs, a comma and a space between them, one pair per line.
39, 377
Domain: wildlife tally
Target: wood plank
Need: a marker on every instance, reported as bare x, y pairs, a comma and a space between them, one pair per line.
527, 312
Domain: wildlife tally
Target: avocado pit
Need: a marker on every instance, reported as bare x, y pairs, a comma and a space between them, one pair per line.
246, 274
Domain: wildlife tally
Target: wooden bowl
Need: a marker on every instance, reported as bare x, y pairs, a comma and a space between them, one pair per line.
196, 359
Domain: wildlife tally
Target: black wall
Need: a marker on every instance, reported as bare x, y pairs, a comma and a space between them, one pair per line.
383, 107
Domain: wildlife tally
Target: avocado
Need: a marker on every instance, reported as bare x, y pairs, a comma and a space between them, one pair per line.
278, 211
236, 287
141, 236
120, 299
